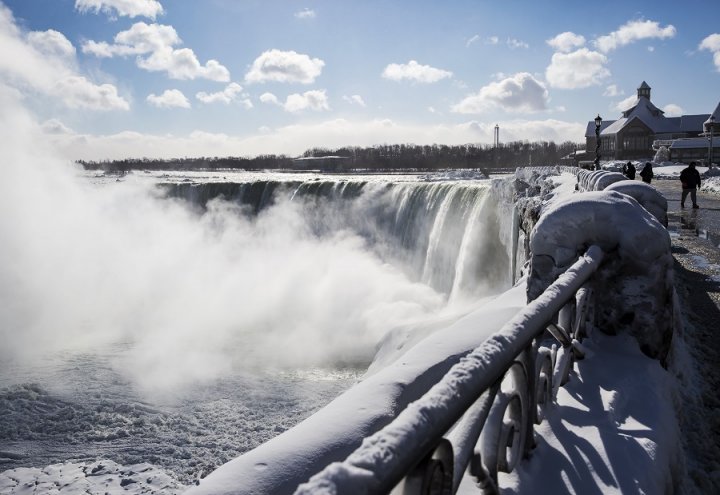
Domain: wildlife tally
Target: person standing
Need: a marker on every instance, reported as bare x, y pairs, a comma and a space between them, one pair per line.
690, 179
647, 172
629, 170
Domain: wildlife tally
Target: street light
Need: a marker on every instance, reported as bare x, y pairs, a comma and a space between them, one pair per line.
598, 123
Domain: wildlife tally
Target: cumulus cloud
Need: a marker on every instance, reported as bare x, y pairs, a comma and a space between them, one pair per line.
712, 44
626, 103
54, 126
269, 98
310, 100
673, 110
284, 66
566, 42
355, 100
232, 92
154, 45
51, 42
306, 14
78, 92
127, 8
412, 71
518, 93
315, 100
634, 31
492, 40
170, 98
43, 62
612, 91
579, 69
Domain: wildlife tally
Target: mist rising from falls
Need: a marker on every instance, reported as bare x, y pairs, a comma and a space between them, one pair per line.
315, 275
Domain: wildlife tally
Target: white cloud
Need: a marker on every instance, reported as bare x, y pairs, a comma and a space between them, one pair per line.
612, 91
355, 100
651, 49
673, 110
154, 46
415, 72
231, 93
295, 139
492, 40
306, 14
634, 31
471, 40
579, 69
518, 93
566, 42
625, 104
51, 42
310, 100
128, 8
514, 43
54, 126
712, 44
78, 92
44, 63
170, 98
269, 98
284, 66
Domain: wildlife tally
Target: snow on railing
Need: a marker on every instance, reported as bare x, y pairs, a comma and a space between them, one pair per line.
480, 417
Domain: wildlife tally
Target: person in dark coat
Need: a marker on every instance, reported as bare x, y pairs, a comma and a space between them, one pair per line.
690, 179
647, 173
629, 170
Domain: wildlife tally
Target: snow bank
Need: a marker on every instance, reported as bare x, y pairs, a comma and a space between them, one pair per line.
648, 197
635, 284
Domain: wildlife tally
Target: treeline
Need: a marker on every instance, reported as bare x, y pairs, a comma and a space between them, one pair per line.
381, 158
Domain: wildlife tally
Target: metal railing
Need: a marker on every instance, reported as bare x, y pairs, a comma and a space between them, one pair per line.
480, 417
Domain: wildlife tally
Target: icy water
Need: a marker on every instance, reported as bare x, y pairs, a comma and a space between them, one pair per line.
79, 407
176, 338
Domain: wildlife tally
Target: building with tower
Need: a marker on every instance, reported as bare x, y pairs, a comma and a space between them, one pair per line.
643, 128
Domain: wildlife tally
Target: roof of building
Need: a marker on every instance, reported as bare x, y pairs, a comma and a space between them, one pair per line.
590, 129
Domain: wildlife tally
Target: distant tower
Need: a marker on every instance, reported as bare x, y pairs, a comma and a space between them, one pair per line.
644, 90
496, 136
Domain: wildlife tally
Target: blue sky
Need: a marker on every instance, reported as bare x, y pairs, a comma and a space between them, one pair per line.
111, 78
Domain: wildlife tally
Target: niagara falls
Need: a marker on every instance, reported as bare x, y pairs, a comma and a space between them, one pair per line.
361, 247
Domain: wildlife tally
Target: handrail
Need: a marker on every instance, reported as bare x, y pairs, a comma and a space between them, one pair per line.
494, 395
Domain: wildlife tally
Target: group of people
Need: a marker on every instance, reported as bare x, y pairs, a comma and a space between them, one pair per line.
689, 178
646, 174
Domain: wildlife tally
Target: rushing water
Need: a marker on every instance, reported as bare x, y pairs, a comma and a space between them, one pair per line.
195, 315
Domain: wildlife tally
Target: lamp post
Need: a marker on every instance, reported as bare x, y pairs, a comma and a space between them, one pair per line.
710, 149
598, 123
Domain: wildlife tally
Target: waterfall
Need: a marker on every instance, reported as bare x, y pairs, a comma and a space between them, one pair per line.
448, 235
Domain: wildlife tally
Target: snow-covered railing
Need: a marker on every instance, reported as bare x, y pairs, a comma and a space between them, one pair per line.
480, 417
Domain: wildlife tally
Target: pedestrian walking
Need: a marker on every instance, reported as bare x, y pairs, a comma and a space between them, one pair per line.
690, 180
629, 170
647, 172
